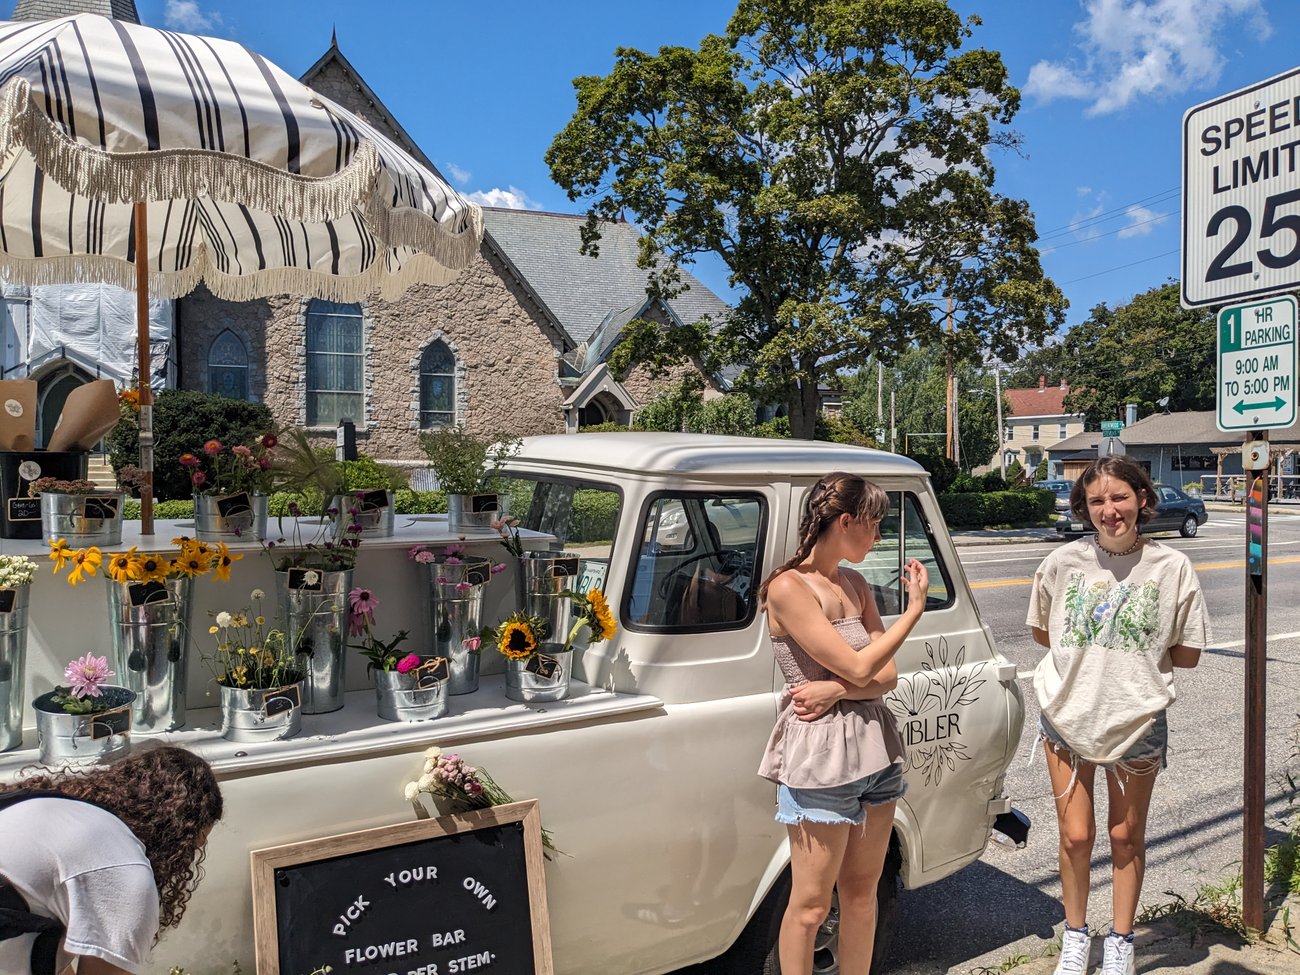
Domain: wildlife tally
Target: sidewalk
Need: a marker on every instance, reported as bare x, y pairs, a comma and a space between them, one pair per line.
1004, 536
1166, 946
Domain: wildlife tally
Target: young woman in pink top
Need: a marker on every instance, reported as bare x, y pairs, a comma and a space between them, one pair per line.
835, 751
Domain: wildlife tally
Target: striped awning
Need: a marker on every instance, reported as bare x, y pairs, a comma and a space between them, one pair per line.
256, 184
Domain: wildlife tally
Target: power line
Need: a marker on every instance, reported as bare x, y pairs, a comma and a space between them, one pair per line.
1108, 214
1158, 218
1111, 270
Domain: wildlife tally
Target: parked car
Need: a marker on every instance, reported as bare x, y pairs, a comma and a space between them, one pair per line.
1175, 511
1061, 488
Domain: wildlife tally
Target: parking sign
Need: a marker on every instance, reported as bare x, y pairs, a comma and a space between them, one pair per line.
1257, 365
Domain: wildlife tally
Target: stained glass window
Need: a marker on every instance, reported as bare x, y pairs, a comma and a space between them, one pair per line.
437, 386
334, 363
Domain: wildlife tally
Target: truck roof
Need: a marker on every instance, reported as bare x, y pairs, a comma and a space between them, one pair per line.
702, 454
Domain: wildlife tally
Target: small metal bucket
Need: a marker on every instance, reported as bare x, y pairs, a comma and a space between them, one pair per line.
419, 695
544, 576
541, 678
230, 517
456, 599
150, 624
316, 625
262, 714
375, 514
474, 512
83, 519
64, 738
13, 664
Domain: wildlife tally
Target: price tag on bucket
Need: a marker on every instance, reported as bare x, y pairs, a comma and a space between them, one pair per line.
542, 665
431, 673
140, 593
280, 700
7, 600
106, 724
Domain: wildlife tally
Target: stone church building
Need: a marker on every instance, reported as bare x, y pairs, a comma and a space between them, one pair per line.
518, 343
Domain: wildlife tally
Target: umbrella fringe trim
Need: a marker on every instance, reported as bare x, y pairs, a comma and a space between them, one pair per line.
452, 248
84, 269
169, 174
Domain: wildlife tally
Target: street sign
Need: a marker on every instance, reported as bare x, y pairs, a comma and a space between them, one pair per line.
1111, 428
1257, 365
1241, 202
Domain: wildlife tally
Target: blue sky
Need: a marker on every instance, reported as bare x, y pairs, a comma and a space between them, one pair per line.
483, 88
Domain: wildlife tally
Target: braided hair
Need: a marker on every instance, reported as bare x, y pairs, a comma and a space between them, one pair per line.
835, 494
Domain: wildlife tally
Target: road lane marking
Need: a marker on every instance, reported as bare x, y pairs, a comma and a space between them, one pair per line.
1201, 567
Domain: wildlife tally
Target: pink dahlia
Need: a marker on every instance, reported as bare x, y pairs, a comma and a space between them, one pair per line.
86, 675
408, 663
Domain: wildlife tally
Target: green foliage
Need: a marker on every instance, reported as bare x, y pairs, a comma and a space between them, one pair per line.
732, 414
462, 460
672, 409
162, 510
942, 470
1040, 472
981, 509
838, 429
366, 473
595, 514
408, 502
1140, 352
183, 420
790, 147
1015, 473
777, 428
1047, 361
607, 427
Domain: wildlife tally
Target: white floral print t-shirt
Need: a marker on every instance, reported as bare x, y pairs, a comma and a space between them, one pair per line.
1110, 622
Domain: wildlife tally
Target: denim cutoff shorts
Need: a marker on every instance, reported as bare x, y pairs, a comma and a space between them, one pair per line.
1148, 753
838, 804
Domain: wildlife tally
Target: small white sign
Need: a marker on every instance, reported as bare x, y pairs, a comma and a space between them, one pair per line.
1241, 194
1257, 365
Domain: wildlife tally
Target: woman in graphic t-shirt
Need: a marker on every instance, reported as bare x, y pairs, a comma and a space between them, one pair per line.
96, 863
1118, 612
835, 752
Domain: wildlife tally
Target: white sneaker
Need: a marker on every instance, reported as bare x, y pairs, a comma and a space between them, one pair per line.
1117, 956
1073, 959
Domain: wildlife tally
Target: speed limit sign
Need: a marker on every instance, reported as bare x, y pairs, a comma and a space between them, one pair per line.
1241, 194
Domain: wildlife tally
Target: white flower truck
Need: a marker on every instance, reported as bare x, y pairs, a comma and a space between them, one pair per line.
646, 773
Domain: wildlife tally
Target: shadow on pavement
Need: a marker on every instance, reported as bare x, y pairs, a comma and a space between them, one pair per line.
973, 912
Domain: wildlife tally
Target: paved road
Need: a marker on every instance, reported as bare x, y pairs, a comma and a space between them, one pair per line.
1006, 904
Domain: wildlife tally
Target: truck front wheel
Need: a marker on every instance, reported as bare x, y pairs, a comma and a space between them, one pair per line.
756, 948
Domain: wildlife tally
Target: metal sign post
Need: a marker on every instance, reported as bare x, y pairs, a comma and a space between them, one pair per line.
1255, 460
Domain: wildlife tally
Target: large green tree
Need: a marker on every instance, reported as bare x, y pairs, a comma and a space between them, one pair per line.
835, 154
1139, 353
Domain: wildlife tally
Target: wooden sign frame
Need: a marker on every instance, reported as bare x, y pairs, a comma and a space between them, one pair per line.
265, 862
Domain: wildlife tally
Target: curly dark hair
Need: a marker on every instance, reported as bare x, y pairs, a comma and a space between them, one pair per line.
168, 797
1123, 469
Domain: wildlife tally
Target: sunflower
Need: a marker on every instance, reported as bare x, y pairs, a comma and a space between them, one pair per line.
85, 564
153, 567
517, 640
60, 552
224, 560
599, 611
125, 566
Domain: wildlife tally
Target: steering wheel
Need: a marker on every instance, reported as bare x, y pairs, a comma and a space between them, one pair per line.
723, 555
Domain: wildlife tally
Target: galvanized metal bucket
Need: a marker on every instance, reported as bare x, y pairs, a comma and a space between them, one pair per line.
541, 678
456, 600
13, 664
261, 714
150, 624
420, 695
314, 608
474, 512
230, 517
373, 512
544, 576
83, 519
76, 739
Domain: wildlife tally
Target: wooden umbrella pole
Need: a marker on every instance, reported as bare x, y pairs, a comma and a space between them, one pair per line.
144, 366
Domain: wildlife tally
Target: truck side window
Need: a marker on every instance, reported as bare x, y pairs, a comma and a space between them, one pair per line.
695, 563
904, 534
581, 515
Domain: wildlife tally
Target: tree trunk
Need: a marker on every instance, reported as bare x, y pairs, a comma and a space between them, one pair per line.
803, 412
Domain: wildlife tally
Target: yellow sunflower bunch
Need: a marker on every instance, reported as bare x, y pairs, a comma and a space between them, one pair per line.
518, 635
193, 558
594, 613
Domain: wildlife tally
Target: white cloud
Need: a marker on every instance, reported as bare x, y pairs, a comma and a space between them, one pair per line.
187, 15
511, 199
461, 176
1083, 190
1134, 49
1084, 225
1141, 222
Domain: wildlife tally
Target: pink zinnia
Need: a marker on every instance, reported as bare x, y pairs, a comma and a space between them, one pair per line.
84, 676
472, 643
454, 549
212, 448
362, 601
424, 558
408, 663
415, 551
452, 560
199, 478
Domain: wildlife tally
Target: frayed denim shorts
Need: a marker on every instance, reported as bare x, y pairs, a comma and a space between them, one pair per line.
842, 804
1148, 754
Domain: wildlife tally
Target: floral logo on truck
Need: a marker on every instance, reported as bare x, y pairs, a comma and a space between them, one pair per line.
928, 705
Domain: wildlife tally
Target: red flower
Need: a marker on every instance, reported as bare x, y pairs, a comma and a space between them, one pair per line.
269, 441
408, 663
189, 460
212, 448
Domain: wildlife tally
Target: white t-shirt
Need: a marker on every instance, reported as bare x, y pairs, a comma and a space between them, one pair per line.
81, 865
1110, 623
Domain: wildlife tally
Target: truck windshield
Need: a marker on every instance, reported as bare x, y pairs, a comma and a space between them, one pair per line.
582, 515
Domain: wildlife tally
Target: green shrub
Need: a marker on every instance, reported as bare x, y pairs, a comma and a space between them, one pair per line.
777, 428
176, 509
604, 428
942, 470
1040, 472
183, 421
837, 429
367, 473
595, 513
408, 502
732, 415
993, 481
964, 483
980, 509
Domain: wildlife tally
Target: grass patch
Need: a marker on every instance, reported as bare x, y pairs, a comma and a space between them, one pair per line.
1213, 909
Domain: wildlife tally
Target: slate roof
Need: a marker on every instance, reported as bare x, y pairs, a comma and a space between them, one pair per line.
1038, 401
50, 9
580, 292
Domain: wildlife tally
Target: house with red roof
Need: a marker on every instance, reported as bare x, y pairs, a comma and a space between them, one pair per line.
1036, 421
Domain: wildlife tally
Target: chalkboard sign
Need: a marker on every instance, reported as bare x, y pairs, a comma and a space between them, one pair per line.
24, 509
437, 896
7, 600
371, 500
140, 593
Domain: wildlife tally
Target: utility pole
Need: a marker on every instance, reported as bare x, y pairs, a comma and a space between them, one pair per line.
880, 404
956, 424
948, 406
997, 385
893, 426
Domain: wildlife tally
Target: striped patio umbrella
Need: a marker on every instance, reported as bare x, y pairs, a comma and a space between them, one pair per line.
233, 172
